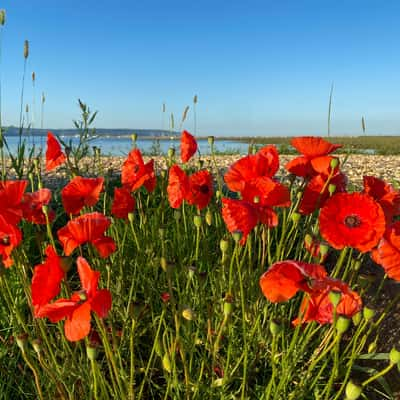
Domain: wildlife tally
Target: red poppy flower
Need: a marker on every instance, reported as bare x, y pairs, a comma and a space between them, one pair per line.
10, 237
384, 194
200, 189
32, 206
387, 253
135, 173
123, 203
310, 147
318, 306
284, 279
352, 219
266, 192
46, 280
317, 192
54, 155
77, 309
263, 164
81, 192
239, 216
178, 186
188, 146
11, 193
87, 228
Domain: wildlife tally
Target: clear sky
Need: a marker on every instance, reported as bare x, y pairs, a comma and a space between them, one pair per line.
258, 67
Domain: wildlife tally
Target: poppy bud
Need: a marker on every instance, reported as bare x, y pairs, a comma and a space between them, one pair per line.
171, 152
368, 313
342, 324
210, 140
237, 236
134, 137
188, 314
353, 391
357, 318
209, 218
163, 173
308, 240
334, 162
256, 199
296, 217
2, 17
37, 345
335, 297
218, 382
91, 352
131, 217
218, 194
166, 362
177, 215
275, 327
224, 245
197, 221
164, 264
161, 232
331, 188
372, 348
394, 356
21, 340
158, 348
357, 265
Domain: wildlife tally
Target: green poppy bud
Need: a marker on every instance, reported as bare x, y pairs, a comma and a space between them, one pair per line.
372, 348
275, 327
37, 345
353, 391
296, 217
171, 152
2, 17
188, 314
357, 318
394, 356
334, 162
237, 236
211, 140
331, 188
21, 340
224, 245
134, 137
166, 362
91, 352
209, 218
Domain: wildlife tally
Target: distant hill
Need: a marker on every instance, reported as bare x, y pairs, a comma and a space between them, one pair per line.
14, 131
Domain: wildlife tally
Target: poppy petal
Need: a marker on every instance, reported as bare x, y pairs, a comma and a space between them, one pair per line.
77, 326
188, 146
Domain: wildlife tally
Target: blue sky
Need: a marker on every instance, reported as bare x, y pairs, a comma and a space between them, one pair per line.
258, 67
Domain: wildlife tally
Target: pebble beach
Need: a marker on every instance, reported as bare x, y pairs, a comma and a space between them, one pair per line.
355, 166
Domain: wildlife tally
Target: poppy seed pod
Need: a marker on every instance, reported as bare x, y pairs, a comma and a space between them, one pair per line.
331, 188
368, 313
353, 391
342, 324
334, 162
224, 245
197, 221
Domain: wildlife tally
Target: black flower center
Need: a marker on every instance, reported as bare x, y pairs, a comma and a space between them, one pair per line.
352, 221
204, 189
